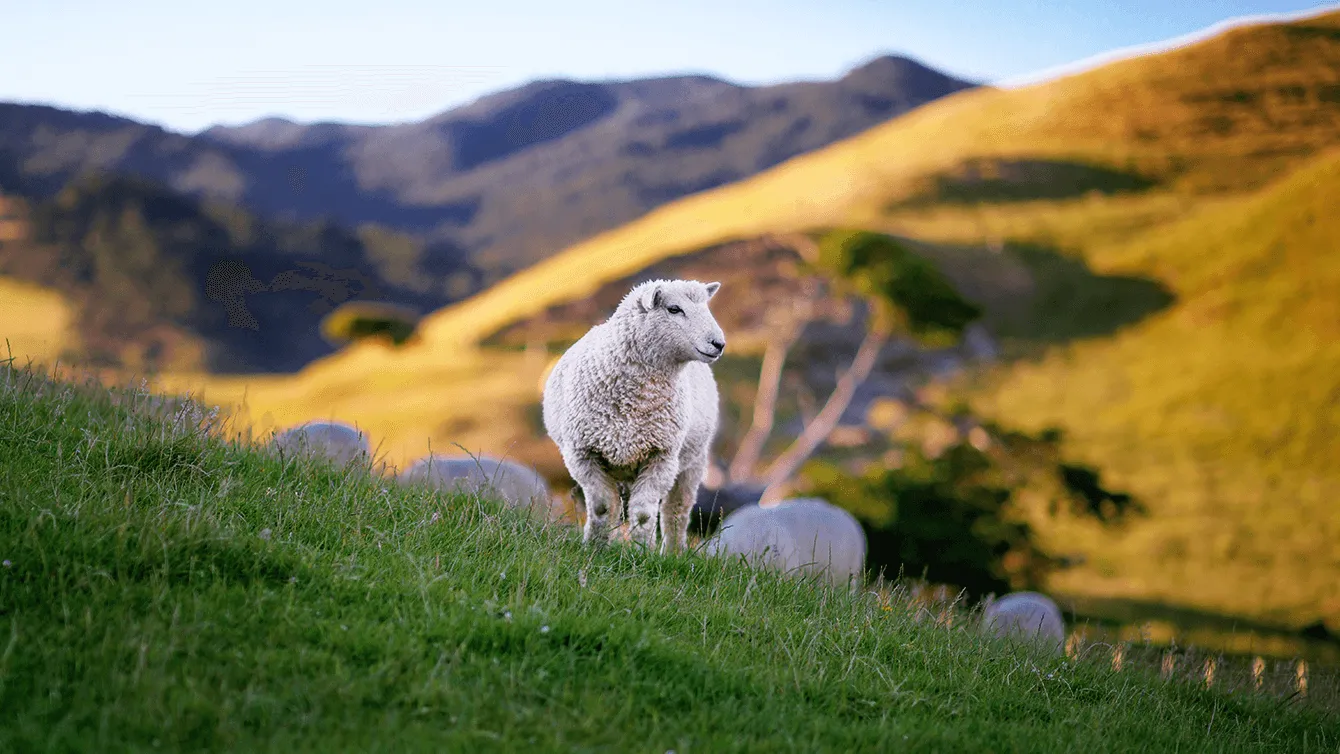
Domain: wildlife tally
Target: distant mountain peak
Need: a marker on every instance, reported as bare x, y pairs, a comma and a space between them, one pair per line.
891, 67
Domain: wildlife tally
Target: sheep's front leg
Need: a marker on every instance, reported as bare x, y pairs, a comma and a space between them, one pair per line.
604, 508
644, 502
678, 506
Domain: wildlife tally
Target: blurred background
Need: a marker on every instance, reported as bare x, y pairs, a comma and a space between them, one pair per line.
1045, 295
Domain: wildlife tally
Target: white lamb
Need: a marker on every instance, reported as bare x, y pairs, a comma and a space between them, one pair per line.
804, 535
634, 402
518, 485
1029, 615
335, 440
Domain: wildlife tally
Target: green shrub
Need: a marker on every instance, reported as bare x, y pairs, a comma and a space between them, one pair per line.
358, 320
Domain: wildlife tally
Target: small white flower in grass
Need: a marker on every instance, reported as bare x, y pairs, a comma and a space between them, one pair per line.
507, 615
543, 629
7, 564
292, 579
344, 627
265, 534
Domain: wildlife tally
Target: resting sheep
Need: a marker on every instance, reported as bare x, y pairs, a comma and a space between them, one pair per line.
1032, 616
337, 441
518, 485
808, 535
634, 402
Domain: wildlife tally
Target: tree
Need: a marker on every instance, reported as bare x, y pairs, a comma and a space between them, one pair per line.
948, 518
904, 294
951, 509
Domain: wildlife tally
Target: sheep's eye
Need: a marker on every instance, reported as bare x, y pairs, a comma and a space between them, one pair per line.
674, 309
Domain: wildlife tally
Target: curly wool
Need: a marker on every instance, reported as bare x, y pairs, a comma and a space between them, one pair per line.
634, 402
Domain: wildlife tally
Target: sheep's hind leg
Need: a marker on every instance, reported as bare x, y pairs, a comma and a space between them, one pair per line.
644, 502
678, 505
604, 508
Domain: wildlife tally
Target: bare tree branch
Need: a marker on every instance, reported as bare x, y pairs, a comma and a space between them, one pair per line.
765, 407
819, 429
805, 402
787, 327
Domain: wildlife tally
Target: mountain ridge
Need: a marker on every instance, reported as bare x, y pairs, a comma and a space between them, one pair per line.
506, 179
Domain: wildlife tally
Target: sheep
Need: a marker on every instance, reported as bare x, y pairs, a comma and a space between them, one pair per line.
714, 504
517, 484
337, 441
1030, 615
809, 535
634, 402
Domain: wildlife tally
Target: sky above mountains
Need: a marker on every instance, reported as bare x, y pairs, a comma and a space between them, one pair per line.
190, 65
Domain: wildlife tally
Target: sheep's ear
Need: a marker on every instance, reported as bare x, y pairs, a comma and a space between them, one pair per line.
712, 289
651, 298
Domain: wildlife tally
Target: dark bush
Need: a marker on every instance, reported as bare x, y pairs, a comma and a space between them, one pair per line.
359, 320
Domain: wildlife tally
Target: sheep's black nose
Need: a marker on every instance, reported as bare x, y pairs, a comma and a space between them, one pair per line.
720, 345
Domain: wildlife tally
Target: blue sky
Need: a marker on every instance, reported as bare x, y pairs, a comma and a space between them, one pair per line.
187, 65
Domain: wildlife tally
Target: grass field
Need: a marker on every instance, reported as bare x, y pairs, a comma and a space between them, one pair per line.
164, 590
1206, 172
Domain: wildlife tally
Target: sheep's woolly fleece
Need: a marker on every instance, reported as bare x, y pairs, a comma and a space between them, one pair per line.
635, 402
1029, 615
518, 485
335, 440
803, 535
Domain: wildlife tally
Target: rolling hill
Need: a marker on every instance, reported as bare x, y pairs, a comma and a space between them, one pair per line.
148, 278
1196, 171
506, 180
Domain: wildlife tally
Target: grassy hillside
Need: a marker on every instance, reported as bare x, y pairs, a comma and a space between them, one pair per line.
162, 589
36, 322
1228, 114
1139, 172
155, 279
1223, 409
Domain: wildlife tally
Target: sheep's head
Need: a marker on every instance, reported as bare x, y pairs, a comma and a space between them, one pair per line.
674, 319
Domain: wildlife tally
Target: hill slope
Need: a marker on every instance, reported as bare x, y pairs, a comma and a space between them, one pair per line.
1224, 409
1227, 114
1088, 171
162, 589
508, 179
153, 279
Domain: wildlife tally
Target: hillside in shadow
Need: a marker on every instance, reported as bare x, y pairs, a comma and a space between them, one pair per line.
510, 178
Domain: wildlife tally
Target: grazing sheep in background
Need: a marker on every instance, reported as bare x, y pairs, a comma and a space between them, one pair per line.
805, 534
1032, 616
518, 485
714, 504
337, 441
635, 402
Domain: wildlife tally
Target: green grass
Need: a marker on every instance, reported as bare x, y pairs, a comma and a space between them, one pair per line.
162, 589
